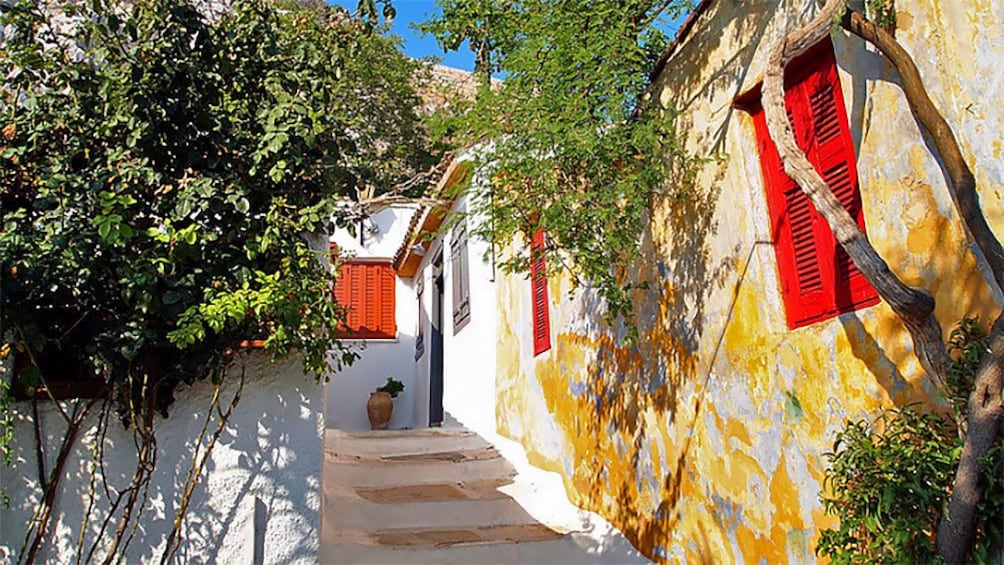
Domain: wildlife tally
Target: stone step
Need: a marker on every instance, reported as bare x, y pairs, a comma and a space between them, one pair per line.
478, 489
430, 453
563, 550
350, 513
444, 537
353, 474
370, 445
390, 434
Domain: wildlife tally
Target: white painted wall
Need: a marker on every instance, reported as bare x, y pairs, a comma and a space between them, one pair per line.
468, 355
270, 455
348, 390
382, 234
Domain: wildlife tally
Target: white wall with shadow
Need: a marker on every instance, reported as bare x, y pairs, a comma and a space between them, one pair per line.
258, 500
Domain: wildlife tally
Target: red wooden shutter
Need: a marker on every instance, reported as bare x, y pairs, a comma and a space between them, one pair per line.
367, 289
538, 285
833, 156
388, 324
795, 221
818, 279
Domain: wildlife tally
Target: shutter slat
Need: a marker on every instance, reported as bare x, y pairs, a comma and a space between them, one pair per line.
824, 115
806, 258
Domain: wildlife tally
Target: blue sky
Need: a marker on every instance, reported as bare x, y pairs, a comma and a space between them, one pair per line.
409, 11
417, 45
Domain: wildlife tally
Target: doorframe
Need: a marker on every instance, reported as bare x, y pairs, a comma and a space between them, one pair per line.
437, 335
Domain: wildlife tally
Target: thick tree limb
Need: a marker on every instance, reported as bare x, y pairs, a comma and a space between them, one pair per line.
966, 199
957, 531
914, 306
367, 206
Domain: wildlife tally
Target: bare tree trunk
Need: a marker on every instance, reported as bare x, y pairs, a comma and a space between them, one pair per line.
913, 305
957, 530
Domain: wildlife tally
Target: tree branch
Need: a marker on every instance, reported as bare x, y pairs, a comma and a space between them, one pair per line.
967, 200
957, 530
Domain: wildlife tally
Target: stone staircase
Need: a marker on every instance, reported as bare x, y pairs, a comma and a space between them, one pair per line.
433, 496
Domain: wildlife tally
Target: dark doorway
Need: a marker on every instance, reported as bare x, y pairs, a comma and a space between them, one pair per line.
436, 359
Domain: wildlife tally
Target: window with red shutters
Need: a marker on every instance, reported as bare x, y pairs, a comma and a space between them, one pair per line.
818, 279
367, 290
538, 286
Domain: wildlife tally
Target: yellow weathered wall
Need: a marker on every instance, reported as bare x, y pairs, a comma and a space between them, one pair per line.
705, 440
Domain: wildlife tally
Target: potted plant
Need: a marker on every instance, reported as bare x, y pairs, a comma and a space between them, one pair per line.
380, 406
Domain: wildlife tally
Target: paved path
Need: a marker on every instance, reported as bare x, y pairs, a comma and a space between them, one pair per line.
446, 496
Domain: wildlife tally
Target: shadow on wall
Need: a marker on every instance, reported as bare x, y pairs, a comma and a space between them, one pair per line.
624, 384
919, 235
260, 489
634, 409
617, 468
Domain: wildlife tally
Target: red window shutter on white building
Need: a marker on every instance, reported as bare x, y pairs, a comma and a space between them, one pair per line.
538, 285
366, 289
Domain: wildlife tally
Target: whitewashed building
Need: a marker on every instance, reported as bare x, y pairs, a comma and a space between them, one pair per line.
441, 341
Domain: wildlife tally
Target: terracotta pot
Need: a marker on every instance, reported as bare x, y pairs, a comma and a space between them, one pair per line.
379, 408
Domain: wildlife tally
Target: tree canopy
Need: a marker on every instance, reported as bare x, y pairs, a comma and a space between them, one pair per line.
163, 166
576, 147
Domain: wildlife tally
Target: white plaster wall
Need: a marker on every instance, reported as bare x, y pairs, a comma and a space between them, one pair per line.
258, 500
382, 234
468, 354
349, 389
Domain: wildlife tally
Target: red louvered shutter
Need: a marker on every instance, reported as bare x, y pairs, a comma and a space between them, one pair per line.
818, 279
367, 290
538, 286
833, 156
794, 220
388, 324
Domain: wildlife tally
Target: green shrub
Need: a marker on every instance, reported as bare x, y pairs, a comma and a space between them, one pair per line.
393, 387
889, 480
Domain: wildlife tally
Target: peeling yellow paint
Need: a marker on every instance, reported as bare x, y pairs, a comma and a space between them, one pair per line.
704, 441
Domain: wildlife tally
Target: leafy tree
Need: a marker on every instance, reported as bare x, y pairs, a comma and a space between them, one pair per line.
164, 169
573, 151
161, 171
